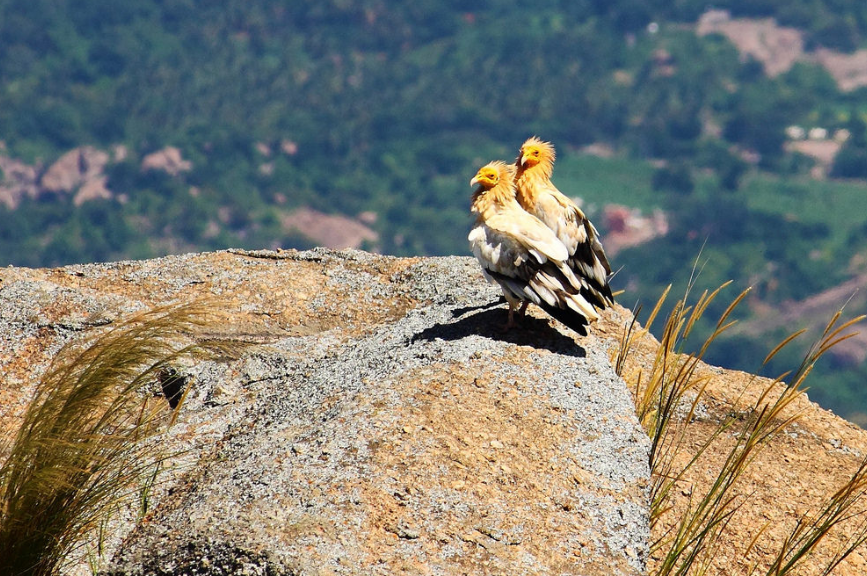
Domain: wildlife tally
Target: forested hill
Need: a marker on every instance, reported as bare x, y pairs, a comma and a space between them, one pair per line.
138, 128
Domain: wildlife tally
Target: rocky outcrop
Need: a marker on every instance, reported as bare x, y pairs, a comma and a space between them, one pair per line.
329, 230
167, 160
79, 171
94, 189
626, 227
779, 48
19, 180
381, 424
77, 167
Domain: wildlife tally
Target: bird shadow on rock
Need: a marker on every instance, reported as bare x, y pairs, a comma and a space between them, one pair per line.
489, 322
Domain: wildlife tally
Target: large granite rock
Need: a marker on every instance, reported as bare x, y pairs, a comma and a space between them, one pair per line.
381, 424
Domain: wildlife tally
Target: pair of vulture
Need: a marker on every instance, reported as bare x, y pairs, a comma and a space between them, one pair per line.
536, 243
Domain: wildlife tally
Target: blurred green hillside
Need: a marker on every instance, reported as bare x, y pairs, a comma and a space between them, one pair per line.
386, 109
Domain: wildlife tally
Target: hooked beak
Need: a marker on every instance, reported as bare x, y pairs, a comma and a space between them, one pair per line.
523, 160
474, 181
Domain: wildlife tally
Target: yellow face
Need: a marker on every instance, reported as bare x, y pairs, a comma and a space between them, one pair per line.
487, 177
530, 155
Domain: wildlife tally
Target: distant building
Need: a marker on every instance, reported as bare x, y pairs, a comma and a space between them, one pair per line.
795, 133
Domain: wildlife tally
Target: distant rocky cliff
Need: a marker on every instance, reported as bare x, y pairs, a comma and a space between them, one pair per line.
81, 175
380, 424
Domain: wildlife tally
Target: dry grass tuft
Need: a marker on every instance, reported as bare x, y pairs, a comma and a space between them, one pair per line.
666, 399
86, 441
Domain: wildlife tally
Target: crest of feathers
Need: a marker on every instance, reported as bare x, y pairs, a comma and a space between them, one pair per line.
536, 152
496, 186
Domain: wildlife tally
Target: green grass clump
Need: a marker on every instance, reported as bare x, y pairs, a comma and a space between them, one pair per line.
667, 396
87, 440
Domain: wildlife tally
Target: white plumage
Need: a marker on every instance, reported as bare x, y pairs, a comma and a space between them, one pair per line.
521, 254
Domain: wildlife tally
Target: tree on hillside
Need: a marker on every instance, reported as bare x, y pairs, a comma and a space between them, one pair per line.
675, 177
851, 160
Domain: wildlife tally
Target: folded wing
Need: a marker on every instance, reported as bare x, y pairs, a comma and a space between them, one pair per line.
527, 260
